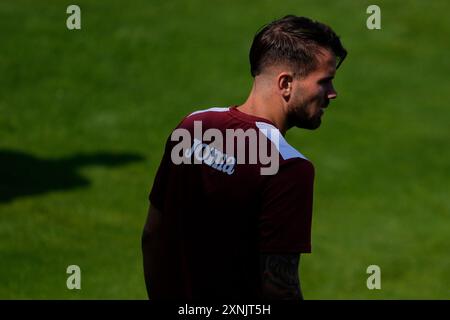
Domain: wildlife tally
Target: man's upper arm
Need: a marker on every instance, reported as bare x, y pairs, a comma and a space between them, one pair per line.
151, 251
279, 276
153, 219
285, 229
286, 210
158, 192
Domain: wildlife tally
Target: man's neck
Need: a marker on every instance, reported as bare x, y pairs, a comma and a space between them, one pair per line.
264, 108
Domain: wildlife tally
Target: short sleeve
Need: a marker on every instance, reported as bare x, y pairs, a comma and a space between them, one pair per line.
286, 213
162, 177
158, 191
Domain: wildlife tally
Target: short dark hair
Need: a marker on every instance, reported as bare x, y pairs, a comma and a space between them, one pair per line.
295, 41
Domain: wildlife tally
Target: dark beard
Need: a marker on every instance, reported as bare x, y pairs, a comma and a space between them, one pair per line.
300, 119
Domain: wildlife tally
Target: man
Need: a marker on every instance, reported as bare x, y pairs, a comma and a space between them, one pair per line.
220, 229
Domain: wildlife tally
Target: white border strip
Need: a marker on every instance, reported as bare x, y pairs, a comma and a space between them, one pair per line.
285, 149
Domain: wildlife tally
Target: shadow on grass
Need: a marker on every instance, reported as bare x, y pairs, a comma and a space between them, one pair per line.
22, 174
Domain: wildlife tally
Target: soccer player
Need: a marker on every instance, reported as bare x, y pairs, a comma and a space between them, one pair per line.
218, 228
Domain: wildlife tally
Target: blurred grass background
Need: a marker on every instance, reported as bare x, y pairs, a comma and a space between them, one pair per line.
84, 116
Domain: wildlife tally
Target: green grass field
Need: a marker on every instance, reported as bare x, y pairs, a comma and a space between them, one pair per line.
84, 116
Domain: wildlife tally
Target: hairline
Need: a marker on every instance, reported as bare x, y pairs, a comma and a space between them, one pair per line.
292, 65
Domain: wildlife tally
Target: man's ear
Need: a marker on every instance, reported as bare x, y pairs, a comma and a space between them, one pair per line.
285, 84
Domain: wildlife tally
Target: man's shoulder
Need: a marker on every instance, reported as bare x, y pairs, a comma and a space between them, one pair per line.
208, 111
204, 115
290, 157
293, 176
297, 165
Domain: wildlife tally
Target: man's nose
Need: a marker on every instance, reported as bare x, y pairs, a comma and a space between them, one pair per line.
332, 94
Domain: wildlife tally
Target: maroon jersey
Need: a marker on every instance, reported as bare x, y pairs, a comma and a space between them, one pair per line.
217, 219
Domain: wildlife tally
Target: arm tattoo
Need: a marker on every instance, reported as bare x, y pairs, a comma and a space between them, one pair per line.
280, 276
